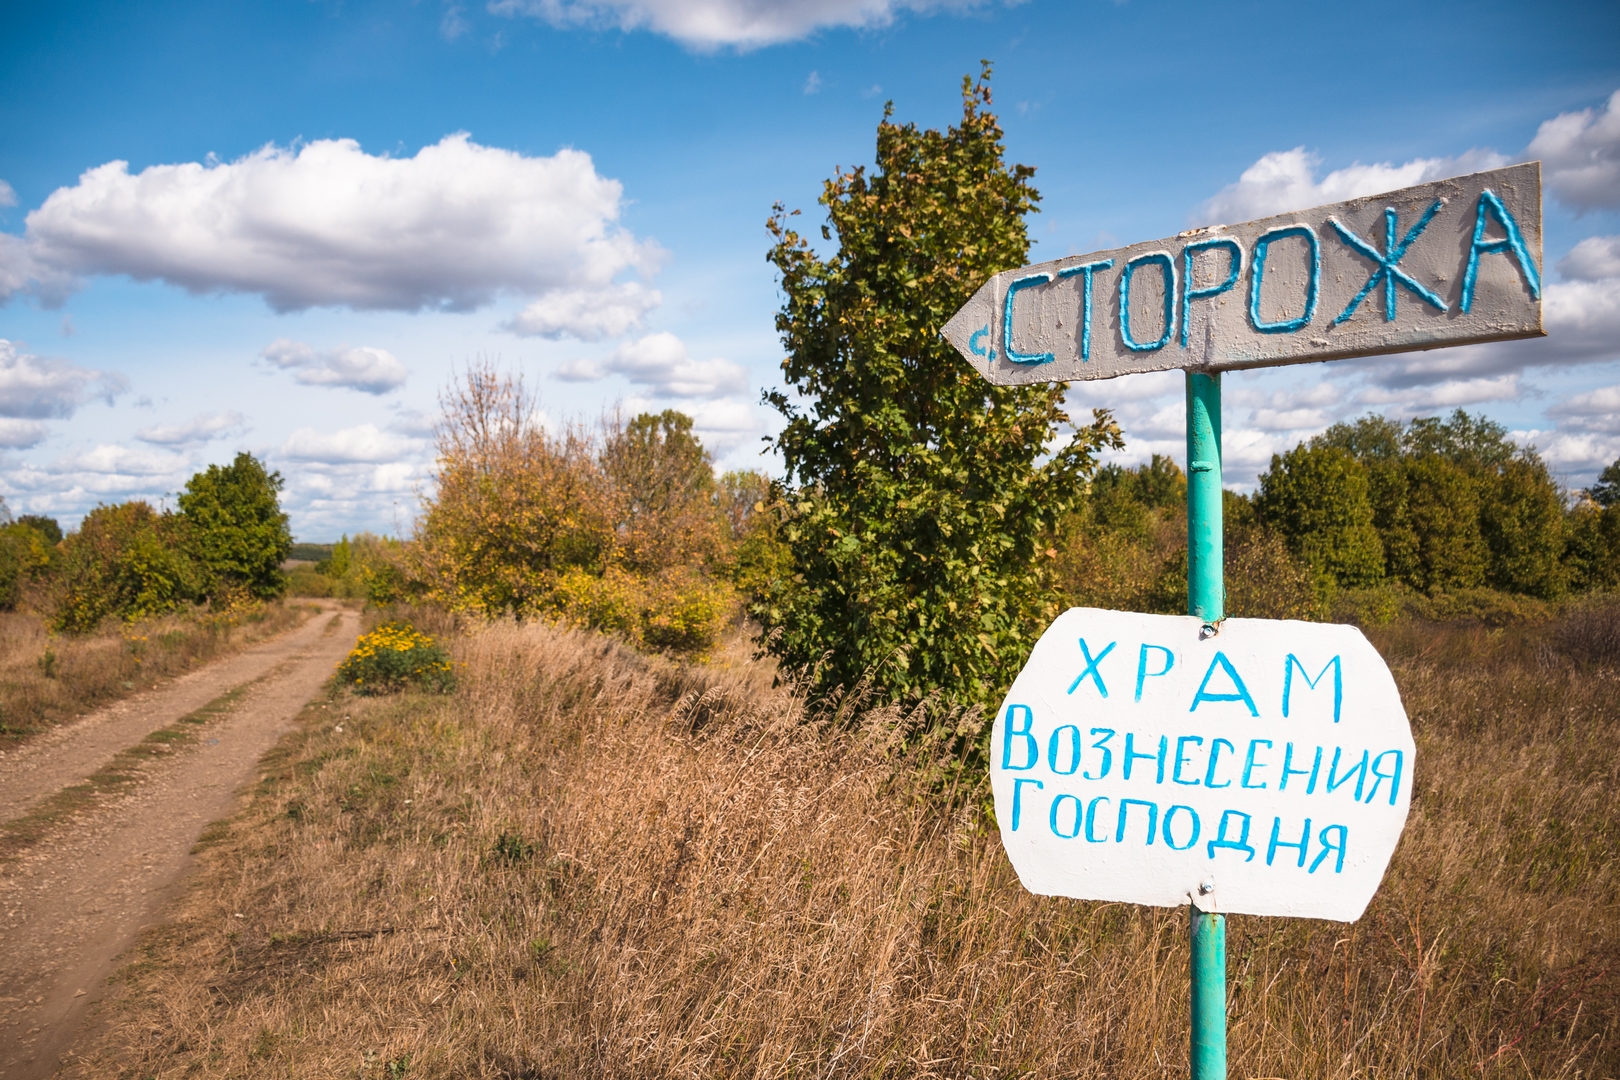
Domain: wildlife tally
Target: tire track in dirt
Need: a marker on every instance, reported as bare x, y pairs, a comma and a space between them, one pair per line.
72, 903
73, 751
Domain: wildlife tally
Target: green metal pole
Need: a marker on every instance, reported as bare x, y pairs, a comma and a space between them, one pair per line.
1208, 995
1206, 588
1206, 598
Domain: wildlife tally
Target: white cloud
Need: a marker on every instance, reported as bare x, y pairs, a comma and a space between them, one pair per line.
1593, 259
813, 83
114, 460
363, 444
1583, 319
587, 314
1580, 154
1299, 408
21, 273
413, 423
36, 388
1146, 406
1286, 180
727, 425
1299, 419
1572, 454
367, 369
324, 501
21, 434
1443, 394
708, 24
1245, 453
452, 25
360, 477
1589, 411
327, 224
661, 363
17, 269
75, 482
8, 194
200, 428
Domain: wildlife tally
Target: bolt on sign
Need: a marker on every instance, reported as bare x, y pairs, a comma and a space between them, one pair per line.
1266, 769
1445, 263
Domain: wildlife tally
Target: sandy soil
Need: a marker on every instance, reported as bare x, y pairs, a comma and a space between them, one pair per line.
71, 904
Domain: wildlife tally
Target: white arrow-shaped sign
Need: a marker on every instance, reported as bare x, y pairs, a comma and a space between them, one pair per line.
1446, 263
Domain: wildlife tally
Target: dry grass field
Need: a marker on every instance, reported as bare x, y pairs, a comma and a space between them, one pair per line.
589, 863
47, 678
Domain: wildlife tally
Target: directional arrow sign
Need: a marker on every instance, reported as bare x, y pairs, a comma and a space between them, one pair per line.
1447, 263
1265, 769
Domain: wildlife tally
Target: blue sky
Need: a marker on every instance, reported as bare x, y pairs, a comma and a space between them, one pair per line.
328, 207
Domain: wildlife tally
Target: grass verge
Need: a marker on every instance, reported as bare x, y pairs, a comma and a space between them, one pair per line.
592, 863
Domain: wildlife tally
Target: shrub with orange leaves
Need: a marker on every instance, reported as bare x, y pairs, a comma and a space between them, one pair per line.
624, 528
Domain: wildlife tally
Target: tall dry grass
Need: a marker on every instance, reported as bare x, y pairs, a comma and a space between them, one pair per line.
48, 678
594, 864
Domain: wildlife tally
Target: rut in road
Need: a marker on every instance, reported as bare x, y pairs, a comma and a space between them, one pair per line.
71, 903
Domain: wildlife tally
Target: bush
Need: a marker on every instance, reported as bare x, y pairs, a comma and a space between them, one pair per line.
367, 567
47, 527
131, 562
1592, 546
679, 610
623, 529
755, 558
1457, 504
661, 483
395, 656
309, 582
1522, 521
1443, 501
1264, 580
1384, 604
27, 557
126, 561
515, 507
1126, 550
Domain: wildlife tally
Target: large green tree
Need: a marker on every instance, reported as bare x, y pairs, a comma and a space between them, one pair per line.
1522, 521
1378, 443
238, 531
920, 500
1318, 498
1443, 498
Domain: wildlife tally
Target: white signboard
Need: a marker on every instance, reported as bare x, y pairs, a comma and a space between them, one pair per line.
1265, 769
1445, 263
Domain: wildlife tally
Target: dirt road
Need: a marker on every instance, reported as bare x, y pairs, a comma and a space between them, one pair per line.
70, 903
